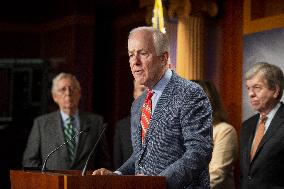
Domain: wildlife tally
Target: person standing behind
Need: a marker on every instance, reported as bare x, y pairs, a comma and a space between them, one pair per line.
53, 129
225, 140
171, 122
261, 138
122, 147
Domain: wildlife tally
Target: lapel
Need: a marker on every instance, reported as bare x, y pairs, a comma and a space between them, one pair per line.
85, 124
276, 122
251, 130
135, 119
157, 115
58, 135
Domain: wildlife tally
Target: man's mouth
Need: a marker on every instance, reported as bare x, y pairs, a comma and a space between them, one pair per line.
138, 72
254, 102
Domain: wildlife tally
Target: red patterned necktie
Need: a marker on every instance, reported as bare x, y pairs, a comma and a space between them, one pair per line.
146, 113
258, 135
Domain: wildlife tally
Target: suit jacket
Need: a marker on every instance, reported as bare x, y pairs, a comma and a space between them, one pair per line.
266, 170
224, 156
122, 147
47, 134
178, 142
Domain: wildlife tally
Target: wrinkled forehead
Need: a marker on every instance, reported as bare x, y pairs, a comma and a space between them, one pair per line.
66, 81
139, 46
140, 38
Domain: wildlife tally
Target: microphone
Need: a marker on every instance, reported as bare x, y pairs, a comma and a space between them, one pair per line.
93, 149
58, 147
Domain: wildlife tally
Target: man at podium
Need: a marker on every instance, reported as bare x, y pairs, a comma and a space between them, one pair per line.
171, 122
51, 131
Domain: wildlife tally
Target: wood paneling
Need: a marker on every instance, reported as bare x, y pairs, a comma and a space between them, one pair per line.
230, 68
262, 16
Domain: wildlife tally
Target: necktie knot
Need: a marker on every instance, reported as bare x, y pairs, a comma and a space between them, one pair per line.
70, 119
149, 95
263, 119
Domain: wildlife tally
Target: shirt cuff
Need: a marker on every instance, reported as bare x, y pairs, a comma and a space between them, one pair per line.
118, 172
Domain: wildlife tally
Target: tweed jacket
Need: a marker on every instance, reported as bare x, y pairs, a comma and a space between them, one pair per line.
266, 168
178, 142
47, 134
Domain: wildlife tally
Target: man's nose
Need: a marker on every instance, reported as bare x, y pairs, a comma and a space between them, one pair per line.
251, 93
137, 59
68, 91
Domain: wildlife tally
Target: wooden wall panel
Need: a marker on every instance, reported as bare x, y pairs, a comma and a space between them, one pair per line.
70, 42
258, 21
230, 69
15, 44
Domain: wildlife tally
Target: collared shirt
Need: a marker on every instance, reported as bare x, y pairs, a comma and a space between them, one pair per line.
76, 122
271, 115
159, 88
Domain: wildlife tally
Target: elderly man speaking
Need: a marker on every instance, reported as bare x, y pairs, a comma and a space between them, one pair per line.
171, 125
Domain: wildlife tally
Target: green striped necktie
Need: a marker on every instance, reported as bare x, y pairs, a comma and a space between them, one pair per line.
69, 132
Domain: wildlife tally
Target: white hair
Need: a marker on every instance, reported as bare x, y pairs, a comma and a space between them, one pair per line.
63, 75
160, 40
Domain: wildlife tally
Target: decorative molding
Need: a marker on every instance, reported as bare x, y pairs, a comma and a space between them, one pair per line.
178, 8
262, 24
181, 8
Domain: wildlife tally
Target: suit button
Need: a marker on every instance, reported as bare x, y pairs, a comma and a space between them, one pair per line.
249, 178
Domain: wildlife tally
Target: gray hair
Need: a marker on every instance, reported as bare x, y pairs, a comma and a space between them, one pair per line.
272, 75
63, 75
160, 40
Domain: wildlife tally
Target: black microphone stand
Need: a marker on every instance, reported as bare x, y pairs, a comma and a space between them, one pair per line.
93, 149
47, 157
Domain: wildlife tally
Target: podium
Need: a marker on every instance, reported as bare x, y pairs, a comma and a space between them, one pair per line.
73, 180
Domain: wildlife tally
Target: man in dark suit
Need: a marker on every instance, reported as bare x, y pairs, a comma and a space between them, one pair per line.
53, 129
171, 122
262, 135
122, 147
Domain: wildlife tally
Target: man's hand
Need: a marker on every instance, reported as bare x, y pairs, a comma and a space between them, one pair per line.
140, 174
103, 171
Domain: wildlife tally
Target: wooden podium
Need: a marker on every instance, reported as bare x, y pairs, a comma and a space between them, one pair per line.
73, 180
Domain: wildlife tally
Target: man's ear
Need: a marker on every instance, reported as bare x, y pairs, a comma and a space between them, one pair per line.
277, 91
165, 57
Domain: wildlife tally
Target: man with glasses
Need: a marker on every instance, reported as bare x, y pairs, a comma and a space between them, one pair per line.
53, 129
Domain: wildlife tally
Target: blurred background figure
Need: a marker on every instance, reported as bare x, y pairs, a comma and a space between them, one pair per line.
261, 136
53, 129
122, 146
225, 150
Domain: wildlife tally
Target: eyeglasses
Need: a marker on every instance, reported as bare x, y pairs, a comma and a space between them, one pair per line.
63, 90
